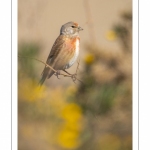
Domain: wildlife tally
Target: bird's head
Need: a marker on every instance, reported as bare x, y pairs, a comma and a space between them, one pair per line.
70, 28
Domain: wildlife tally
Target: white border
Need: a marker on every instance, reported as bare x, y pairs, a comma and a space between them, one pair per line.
5, 64
5, 75
135, 127
14, 75
144, 75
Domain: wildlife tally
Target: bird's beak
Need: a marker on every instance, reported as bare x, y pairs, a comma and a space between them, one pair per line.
80, 29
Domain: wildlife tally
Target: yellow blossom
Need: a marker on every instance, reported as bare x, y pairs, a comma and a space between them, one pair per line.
68, 136
111, 35
29, 90
89, 58
71, 112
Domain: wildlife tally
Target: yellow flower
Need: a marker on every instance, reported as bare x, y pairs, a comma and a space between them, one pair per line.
71, 112
29, 90
111, 35
68, 136
89, 58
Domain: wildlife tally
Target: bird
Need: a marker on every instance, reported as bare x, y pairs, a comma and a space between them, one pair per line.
64, 51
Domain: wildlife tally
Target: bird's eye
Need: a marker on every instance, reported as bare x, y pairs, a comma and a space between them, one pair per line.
73, 26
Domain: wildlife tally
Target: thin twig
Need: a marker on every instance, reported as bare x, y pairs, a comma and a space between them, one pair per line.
47, 65
78, 66
39, 61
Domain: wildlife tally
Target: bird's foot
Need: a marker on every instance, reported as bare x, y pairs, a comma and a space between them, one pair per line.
74, 77
57, 73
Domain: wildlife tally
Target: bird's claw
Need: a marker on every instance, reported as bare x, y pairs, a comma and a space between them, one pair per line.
57, 73
73, 76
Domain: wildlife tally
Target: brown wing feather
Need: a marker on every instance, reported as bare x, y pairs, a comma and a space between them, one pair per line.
57, 46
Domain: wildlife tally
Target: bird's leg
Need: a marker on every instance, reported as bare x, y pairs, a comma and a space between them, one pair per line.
57, 74
67, 72
73, 76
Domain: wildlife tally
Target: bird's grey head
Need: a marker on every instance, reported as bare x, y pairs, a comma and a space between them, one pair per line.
70, 28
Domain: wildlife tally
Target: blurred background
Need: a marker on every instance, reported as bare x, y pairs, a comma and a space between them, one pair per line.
95, 114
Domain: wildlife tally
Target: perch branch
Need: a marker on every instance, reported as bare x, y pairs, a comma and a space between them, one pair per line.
73, 76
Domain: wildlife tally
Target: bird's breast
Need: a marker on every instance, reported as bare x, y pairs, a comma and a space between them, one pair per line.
74, 50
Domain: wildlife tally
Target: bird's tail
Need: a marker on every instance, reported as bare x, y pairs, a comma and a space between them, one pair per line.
47, 73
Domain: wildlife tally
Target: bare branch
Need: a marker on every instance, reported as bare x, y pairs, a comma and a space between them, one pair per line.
39, 61
73, 76
78, 66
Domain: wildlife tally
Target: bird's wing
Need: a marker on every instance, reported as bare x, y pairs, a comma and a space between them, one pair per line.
57, 46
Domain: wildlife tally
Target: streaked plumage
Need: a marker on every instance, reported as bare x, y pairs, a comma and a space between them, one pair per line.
64, 51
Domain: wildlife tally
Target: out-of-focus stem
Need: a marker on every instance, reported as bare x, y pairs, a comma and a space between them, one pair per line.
89, 21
